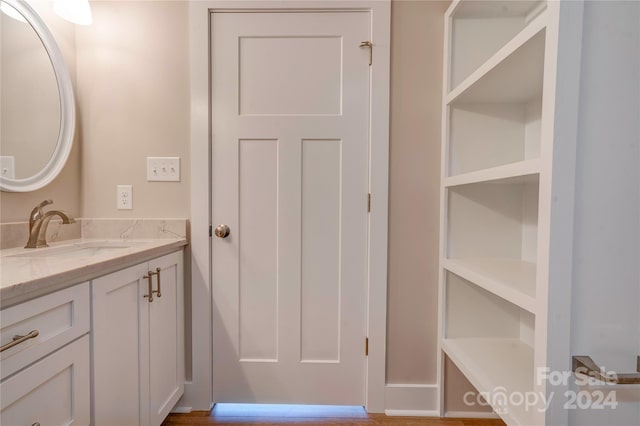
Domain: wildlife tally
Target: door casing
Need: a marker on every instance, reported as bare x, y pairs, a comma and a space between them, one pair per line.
198, 389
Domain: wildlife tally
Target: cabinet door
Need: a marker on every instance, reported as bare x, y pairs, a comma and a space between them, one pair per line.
53, 391
120, 321
166, 338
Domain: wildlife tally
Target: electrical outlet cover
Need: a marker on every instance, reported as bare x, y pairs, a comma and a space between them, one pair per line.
125, 197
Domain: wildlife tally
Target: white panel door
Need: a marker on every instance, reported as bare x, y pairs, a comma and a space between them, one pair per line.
290, 122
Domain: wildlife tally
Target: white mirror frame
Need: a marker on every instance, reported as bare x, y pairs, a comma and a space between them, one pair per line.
67, 107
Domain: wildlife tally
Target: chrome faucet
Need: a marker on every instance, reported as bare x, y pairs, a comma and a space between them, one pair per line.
39, 221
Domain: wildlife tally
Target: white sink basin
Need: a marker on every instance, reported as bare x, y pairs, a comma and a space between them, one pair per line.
87, 249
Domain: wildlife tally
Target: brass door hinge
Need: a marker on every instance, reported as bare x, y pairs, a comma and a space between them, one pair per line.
366, 346
369, 202
369, 45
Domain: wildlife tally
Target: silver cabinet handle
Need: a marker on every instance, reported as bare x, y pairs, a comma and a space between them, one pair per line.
585, 365
157, 274
17, 339
149, 278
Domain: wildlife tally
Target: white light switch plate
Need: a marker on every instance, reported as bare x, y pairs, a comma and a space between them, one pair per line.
163, 169
125, 197
8, 166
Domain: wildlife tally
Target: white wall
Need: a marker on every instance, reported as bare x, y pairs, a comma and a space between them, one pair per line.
417, 31
606, 273
133, 92
414, 192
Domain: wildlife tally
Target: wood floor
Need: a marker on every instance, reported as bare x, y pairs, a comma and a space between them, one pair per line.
270, 418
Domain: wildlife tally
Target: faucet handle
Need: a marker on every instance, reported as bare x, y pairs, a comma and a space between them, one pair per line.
44, 203
36, 213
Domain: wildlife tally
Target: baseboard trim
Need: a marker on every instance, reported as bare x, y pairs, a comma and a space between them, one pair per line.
181, 410
471, 415
412, 400
195, 398
412, 413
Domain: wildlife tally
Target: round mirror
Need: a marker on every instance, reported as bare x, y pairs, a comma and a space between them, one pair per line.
37, 108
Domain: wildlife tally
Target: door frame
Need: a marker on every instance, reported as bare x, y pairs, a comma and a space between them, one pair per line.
199, 388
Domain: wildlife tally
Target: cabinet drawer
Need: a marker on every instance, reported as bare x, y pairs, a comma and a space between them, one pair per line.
54, 391
59, 318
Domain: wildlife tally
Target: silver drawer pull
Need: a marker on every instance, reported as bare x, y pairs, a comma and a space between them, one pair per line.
17, 339
157, 292
585, 365
149, 277
36, 424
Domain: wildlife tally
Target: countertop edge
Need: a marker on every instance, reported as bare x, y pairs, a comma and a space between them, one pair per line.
23, 292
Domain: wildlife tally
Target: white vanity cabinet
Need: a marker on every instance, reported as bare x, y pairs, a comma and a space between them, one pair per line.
46, 376
138, 342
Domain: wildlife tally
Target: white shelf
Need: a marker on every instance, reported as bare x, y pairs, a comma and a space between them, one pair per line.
514, 74
511, 279
479, 29
519, 172
496, 366
498, 222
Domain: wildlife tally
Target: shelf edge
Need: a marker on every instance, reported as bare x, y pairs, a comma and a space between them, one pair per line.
507, 171
505, 292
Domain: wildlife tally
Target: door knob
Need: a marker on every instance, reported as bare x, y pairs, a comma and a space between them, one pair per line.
222, 231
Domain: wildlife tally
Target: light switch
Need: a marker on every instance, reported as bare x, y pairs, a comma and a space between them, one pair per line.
163, 169
125, 197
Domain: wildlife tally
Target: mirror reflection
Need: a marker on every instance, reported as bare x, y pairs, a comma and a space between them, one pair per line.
30, 113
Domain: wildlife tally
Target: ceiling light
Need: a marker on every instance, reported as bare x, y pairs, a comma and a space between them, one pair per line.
76, 11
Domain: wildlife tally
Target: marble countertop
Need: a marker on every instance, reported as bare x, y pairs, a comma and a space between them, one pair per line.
29, 273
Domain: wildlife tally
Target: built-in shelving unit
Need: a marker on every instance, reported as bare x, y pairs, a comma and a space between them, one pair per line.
491, 177
525, 114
